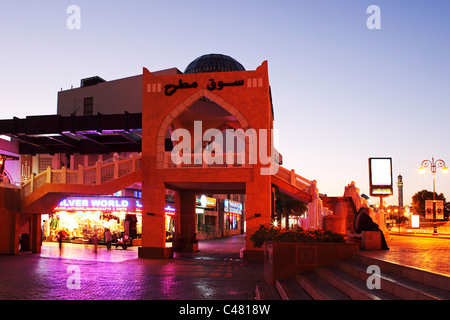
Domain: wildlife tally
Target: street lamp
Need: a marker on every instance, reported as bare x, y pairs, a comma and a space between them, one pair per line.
433, 165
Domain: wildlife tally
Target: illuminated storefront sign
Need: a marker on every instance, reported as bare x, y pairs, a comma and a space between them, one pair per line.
138, 205
232, 206
169, 211
206, 202
105, 204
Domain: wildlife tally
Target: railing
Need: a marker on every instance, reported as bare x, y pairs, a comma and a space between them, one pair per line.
294, 179
100, 173
237, 160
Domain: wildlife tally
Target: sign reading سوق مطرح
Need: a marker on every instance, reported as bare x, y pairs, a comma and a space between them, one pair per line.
170, 89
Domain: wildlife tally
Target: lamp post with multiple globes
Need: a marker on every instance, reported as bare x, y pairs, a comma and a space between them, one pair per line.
433, 165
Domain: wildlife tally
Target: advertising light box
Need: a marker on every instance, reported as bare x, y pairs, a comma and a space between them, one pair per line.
380, 176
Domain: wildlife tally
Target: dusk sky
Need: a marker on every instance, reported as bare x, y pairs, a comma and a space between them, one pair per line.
342, 92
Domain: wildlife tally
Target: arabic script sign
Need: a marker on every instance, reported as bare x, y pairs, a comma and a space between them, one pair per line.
170, 89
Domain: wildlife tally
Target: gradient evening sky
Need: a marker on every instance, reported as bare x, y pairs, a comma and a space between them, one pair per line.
342, 93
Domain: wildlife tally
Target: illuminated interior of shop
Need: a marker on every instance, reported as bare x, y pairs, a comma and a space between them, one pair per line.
80, 219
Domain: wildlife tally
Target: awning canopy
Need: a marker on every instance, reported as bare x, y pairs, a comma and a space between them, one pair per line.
51, 134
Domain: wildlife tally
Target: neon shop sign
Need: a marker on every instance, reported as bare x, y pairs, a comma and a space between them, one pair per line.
232, 207
97, 204
169, 211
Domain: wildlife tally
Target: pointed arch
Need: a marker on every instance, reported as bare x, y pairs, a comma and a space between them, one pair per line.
183, 106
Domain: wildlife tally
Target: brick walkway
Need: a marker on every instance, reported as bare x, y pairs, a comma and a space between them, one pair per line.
215, 273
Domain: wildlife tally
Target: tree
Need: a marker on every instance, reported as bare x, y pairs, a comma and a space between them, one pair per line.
418, 202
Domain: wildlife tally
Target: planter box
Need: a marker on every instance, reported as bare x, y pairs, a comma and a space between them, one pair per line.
286, 259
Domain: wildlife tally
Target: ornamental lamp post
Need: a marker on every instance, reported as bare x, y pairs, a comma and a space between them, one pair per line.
433, 165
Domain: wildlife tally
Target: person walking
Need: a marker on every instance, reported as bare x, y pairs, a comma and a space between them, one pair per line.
61, 236
108, 239
95, 241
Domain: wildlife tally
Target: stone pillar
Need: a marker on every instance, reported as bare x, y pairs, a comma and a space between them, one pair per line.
35, 233
9, 220
153, 221
258, 207
188, 220
315, 209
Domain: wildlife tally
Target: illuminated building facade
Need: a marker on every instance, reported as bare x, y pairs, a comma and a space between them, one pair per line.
164, 138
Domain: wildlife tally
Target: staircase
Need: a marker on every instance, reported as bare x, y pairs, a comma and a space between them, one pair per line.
347, 280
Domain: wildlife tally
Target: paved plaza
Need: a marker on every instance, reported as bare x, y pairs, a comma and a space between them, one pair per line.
425, 252
214, 273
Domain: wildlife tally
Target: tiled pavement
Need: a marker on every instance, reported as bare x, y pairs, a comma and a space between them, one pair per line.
215, 273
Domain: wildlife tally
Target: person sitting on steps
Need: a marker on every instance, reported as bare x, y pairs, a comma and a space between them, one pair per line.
363, 222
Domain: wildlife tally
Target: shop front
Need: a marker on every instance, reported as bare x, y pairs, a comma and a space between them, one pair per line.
207, 218
233, 217
169, 214
80, 218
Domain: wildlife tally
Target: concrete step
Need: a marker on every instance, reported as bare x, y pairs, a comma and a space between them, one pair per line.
266, 291
347, 280
431, 279
395, 284
353, 287
289, 289
318, 288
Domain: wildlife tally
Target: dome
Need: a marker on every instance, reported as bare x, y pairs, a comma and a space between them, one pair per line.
213, 63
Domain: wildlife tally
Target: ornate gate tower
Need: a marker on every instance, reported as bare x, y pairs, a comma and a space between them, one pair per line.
179, 113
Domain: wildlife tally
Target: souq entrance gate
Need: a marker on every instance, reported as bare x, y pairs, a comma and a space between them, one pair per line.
207, 131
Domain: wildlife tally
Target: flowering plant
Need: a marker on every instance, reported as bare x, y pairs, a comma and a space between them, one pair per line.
268, 232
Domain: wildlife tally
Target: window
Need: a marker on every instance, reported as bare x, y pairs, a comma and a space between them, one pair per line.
88, 106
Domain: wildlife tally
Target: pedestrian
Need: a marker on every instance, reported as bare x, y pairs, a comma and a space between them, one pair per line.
61, 236
95, 241
108, 239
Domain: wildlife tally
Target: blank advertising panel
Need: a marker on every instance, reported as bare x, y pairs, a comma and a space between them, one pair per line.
380, 176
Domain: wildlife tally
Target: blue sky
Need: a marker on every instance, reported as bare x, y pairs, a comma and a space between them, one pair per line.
342, 93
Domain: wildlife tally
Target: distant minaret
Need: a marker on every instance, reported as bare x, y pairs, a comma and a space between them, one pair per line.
400, 190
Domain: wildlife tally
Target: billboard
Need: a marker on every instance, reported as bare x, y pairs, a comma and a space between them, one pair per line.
380, 176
